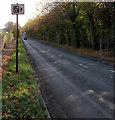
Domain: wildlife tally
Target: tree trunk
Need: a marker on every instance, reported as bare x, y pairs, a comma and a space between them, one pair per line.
76, 40
92, 30
107, 46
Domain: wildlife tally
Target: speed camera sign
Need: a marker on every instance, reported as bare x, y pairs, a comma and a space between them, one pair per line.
17, 9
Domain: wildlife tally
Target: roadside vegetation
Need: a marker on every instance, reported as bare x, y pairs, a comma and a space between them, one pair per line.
6, 40
81, 26
7, 37
21, 97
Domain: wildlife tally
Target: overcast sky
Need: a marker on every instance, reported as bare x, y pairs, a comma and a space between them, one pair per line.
5, 11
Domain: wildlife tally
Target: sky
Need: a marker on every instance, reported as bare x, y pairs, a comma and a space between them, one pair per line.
30, 11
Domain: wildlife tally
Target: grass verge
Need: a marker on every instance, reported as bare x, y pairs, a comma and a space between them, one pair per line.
20, 92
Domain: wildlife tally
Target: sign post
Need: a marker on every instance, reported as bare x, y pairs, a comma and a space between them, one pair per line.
16, 43
17, 9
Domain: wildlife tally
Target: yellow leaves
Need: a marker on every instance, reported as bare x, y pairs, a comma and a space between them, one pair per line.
7, 57
9, 111
5, 95
21, 89
28, 88
21, 116
18, 91
6, 115
24, 90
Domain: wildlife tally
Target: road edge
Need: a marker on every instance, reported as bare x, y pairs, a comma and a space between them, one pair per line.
36, 76
110, 63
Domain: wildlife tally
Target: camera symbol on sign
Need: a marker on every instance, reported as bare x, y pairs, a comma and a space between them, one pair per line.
17, 9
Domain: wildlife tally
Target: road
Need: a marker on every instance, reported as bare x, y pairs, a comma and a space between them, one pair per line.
72, 86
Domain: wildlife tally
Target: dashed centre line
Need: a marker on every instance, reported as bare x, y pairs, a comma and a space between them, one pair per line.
112, 71
83, 66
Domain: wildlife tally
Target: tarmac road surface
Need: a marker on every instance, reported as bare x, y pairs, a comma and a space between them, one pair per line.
72, 86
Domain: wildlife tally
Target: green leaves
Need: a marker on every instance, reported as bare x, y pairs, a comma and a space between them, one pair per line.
79, 24
20, 97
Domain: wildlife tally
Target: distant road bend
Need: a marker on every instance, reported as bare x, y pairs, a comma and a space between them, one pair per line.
73, 86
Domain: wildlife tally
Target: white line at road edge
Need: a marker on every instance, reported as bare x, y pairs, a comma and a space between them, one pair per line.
83, 66
112, 71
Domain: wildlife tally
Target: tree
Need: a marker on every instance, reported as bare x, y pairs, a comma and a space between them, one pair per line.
9, 26
75, 24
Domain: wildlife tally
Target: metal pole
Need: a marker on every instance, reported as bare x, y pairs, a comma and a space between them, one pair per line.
100, 46
17, 43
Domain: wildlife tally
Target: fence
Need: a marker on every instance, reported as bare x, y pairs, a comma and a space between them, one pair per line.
6, 39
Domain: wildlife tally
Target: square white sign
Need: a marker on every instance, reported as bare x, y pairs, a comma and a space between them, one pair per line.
17, 9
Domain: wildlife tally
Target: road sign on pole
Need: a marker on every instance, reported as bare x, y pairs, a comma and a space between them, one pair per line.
17, 9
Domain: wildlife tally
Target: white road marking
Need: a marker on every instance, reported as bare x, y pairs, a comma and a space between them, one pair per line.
60, 55
52, 56
112, 71
101, 99
111, 77
56, 62
92, 64
83, 66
